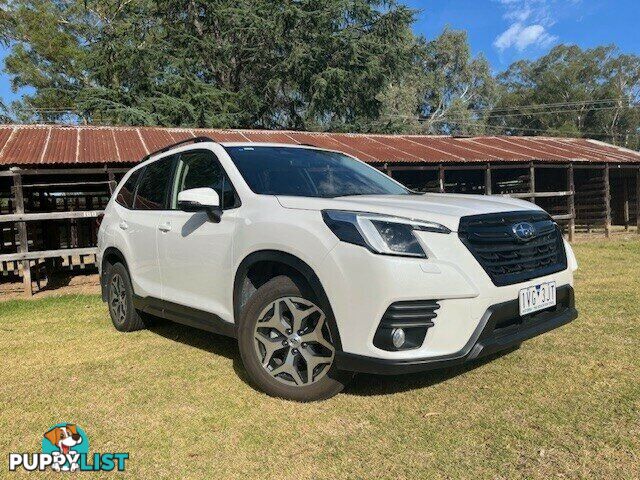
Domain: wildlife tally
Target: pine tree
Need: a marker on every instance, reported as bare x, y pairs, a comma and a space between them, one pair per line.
258, 64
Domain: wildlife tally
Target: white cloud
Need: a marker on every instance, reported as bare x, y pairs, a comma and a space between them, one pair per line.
522, 36
529, 23
518, 15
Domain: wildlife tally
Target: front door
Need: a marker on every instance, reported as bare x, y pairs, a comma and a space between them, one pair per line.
196, 253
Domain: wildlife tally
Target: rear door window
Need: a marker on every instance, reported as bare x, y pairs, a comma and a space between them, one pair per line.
126, 193
154, 185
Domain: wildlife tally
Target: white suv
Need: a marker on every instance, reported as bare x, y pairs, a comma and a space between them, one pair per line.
321, 266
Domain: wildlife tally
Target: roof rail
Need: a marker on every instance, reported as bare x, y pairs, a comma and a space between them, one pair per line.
174, 145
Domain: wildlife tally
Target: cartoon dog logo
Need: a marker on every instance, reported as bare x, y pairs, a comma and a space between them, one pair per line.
65, 438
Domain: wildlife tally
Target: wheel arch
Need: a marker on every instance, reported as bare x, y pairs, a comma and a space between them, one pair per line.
260, 266
111, 256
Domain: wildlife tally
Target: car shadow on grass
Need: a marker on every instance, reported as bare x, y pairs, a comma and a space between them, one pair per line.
361, 385
371, 385
209, 342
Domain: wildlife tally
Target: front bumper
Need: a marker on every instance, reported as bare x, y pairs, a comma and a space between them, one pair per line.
362, 285
500, 328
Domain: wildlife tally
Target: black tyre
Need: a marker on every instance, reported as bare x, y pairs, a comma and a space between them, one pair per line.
285, 343
120, 300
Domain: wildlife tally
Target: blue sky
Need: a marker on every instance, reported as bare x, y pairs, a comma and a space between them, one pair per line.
509, 30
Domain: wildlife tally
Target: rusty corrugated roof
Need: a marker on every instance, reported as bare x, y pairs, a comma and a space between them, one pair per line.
55, 144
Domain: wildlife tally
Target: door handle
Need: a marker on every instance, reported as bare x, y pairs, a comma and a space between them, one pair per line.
123, 225
165, 227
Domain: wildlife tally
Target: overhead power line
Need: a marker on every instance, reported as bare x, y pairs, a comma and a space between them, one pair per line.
522, 114
540, 130
551, 112
75, 110
560, 104
592, 105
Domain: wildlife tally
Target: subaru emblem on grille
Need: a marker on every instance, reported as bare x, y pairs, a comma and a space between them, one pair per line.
524, 231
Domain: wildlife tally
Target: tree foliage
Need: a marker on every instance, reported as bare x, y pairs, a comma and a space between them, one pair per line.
586, 93
341, 65
240, 63
444, 91
459, 88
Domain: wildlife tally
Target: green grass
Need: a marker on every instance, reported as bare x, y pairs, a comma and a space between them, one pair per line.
566, 404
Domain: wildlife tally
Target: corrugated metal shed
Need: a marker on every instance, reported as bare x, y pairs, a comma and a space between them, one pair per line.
53, 144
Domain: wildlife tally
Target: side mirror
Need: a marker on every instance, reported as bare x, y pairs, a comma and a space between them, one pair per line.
201, 199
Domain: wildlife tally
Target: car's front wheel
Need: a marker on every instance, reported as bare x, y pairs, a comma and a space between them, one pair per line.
286, 345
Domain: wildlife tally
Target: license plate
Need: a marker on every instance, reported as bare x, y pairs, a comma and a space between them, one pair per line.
537, 297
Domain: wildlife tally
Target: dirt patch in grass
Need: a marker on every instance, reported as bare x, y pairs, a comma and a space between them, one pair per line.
60, 285
566, 404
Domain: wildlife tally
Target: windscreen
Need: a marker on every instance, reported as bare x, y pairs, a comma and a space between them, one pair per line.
305, 172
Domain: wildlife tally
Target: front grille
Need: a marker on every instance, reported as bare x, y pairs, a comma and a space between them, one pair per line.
508, 259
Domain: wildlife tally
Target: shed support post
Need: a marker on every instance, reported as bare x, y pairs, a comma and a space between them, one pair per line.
625, 205
112, 182
441, 178
487, 180
607, 202
571, 199
23, 244
532, 181
638, 200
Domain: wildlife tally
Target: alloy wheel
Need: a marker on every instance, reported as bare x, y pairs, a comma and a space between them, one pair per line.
117, 298
293, 342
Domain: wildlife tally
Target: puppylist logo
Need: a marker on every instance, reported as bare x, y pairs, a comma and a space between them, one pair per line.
65, 448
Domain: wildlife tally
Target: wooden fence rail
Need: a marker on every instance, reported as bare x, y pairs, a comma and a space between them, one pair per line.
27, 217
63, 252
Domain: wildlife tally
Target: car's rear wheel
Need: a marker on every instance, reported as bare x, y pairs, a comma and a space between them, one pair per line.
120, 299
286, 345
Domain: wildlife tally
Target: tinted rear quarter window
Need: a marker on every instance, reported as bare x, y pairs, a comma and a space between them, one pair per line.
154, 185
125, 194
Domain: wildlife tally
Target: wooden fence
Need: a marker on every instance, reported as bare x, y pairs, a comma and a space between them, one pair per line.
47, 218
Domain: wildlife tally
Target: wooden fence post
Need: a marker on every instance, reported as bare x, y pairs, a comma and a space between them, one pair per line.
112, 182
571, 203
532, 181
487, 180
607, 202
625, 205
638, 201
23, 243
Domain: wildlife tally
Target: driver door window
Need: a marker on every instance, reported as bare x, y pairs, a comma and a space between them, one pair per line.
201, 169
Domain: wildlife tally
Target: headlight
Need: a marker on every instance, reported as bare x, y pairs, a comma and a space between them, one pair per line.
380, 233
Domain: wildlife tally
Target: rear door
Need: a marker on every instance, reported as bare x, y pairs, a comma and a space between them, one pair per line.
196, 253
141, 226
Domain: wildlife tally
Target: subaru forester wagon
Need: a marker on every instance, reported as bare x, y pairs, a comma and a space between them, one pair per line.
321, 266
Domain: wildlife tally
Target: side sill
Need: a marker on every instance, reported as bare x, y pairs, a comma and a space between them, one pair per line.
191, 317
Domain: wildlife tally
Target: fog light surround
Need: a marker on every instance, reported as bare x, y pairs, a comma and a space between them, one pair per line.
404, 325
